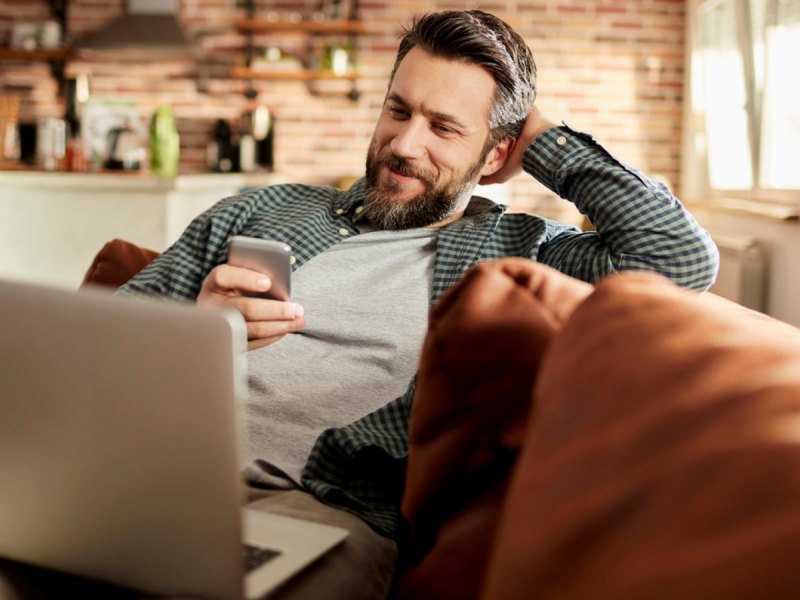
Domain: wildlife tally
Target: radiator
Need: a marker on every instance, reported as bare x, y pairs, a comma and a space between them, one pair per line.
742, 271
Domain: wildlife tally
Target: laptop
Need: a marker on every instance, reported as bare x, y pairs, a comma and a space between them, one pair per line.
119, 447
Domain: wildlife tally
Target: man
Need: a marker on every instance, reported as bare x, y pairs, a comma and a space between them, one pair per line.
329, 404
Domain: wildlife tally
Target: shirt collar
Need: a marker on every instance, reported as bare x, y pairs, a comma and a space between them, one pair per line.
351, 200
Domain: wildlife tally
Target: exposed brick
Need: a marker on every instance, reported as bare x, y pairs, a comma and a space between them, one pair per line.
595, 57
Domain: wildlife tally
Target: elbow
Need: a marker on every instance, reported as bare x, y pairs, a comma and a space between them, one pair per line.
696, 269
691, 263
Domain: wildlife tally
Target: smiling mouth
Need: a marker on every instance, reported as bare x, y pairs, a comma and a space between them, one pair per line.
400, 173
403, 176
402, 184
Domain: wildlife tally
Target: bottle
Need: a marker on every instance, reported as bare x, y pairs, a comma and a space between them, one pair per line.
164, 143
219, 152
75, 158
247, 143
52, 144
264, 134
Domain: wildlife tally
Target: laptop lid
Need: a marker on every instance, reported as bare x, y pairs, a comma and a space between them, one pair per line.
119, 447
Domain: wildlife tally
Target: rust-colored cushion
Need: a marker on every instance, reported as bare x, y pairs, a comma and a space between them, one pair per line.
663, 456
480, 359
116, 263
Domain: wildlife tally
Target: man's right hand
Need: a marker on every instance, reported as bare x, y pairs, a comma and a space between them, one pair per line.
267, 320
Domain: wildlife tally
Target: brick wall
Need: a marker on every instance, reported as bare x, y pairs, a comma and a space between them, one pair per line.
610, 67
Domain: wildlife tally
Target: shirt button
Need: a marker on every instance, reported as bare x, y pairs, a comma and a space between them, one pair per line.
292, 259
359, 210
343, 231
561, 140
339, 211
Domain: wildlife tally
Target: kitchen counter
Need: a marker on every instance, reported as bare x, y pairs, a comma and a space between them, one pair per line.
52, 224
133, 181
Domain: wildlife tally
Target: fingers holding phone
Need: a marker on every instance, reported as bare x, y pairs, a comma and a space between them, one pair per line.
267, 257
269, 320
230, 281
256, 281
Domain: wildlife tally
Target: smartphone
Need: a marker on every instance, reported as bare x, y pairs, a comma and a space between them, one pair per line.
265, 256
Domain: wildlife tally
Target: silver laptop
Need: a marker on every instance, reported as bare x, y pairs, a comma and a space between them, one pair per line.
119, 447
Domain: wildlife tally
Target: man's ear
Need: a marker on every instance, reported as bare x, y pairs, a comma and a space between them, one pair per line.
498, 156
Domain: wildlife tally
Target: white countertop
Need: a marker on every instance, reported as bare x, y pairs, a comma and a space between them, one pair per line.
52, 223
133, 181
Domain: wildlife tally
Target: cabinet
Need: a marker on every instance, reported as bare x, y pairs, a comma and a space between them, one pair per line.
314, 65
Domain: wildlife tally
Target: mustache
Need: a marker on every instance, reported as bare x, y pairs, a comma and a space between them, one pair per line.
402, 166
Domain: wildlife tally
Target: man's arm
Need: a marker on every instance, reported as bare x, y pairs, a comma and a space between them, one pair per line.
193, 269
267, 320
640, 224
178, 272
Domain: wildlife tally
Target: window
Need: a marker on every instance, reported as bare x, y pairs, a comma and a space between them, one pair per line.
780, 142
744, 125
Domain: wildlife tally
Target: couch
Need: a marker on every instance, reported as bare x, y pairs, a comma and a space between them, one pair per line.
625, 440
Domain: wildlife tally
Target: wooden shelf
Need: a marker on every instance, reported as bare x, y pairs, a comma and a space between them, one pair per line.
303, 75
322, 27
314, 30
59, 54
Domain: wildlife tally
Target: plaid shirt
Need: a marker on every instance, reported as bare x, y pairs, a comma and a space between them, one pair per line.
640, 225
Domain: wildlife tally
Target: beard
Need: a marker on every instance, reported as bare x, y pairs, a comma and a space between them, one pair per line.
434, 204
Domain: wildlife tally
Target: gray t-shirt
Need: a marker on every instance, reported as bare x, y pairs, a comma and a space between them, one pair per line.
366, 303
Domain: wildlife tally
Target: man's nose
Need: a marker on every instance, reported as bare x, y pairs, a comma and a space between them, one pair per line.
409, 141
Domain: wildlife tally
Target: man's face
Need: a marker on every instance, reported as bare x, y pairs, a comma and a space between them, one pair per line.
429, 146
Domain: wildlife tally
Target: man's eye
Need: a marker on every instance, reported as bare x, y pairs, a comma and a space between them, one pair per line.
397, 112
443, 128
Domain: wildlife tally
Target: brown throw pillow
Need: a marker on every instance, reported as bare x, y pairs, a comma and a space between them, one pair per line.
663, 457
116, 263
480, 358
